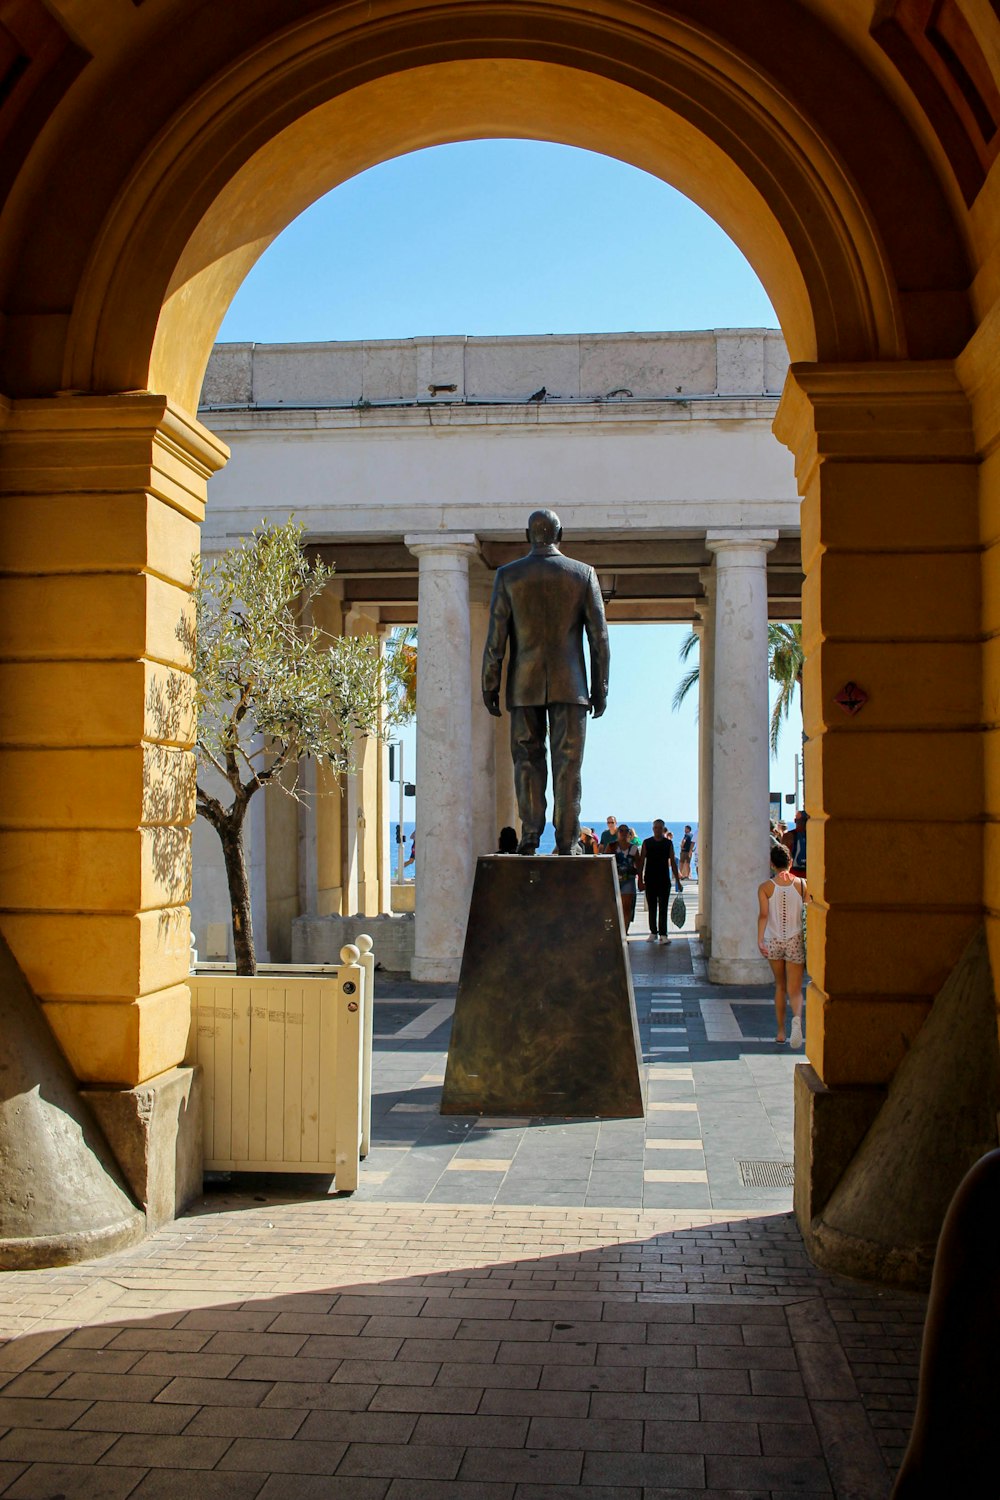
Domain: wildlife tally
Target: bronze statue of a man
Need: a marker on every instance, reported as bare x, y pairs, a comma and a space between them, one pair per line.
542, 604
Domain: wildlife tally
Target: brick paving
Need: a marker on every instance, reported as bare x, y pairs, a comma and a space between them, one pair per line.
280, 1341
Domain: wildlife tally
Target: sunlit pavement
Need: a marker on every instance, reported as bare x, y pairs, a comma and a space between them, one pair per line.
522, 1310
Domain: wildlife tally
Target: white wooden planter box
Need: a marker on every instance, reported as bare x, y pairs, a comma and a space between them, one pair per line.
286, 1056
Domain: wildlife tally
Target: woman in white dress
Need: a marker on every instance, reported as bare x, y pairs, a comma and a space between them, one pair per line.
779, 938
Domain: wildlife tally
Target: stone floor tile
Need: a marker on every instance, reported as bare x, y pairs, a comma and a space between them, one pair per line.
243, 1421
166, 1451
301, 1395
204, 1366
524, 1465
431, 1489
267, 1368
39, 1446
621, 1378
684, 1470
394, 1461
281, 1456
360, 1426
37, 1412
386, 1372
644, 1405
701, 1437
173, 1340
420, 1398
455, 1351
134, 1416
44, 1481
191, 1392
789, 1438
536, 1403
579, 1492
9, 1472
317, 1487
801, 1475
200, 1484
478, 1431
787, 1409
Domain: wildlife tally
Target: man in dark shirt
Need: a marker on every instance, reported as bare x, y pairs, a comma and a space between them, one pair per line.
795, 842
657, 861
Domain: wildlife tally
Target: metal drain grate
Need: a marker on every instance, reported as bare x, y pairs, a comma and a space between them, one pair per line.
769, 1174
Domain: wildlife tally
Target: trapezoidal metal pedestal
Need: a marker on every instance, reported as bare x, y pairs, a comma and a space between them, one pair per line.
545, 1020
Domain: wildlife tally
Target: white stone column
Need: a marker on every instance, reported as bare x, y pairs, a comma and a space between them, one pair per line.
705, 629
739, 853
445, 862
484, 795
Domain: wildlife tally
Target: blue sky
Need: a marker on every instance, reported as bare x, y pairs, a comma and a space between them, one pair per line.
507, 237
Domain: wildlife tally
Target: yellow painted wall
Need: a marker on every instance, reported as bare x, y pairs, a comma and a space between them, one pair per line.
174, 150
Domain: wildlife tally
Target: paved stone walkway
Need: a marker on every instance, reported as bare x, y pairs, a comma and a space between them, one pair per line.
601, 1343
719, 1107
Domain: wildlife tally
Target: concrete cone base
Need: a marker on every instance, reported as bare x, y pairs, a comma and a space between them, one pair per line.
883, 1218
62, 1198
66, 1249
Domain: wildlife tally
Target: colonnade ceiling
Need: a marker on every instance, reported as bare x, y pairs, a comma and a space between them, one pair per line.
229, 120
653, 579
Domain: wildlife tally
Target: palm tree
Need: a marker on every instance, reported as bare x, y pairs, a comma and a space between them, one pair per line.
687, 682
403, 643
784, 666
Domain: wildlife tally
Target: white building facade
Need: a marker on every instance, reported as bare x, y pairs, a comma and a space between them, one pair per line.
413, 466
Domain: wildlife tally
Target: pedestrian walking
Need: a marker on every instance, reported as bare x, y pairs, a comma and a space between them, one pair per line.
657, 863
779, 938
609, 836
794, 841
627, 859
686, 853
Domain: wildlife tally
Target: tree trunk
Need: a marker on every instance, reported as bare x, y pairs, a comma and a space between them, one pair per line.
231, 834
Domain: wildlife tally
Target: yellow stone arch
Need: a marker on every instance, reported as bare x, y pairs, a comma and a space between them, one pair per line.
156, 154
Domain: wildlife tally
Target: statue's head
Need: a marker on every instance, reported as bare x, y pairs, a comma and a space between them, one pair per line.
544, 528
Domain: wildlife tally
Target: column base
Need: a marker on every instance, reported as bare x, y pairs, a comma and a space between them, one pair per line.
830, 1125
704, 932
739, 971
155, 1132
435, 970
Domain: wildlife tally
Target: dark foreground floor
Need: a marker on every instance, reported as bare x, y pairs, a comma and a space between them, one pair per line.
533, 1310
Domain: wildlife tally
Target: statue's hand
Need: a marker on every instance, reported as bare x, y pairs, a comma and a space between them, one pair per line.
492, 701
597, 707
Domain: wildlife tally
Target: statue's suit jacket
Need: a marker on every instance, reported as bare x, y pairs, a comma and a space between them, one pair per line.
542, 604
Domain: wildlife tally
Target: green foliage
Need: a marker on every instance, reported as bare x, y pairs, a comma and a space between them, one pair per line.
273, 689
688, 644
784, 666
263, 668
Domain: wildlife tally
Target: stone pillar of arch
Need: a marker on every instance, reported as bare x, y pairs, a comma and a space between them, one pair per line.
738, 860
102, 499
885, 462
444, 850
705, 630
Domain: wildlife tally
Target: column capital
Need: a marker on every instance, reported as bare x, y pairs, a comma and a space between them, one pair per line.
904, 411
733, 545
448, 543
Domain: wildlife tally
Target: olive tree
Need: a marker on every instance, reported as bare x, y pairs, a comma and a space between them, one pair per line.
272, 690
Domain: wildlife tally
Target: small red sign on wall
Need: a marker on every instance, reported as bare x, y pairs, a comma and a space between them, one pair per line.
851, 698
